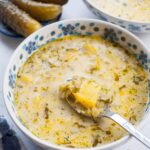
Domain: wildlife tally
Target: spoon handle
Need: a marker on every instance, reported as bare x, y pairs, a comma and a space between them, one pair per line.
128, 127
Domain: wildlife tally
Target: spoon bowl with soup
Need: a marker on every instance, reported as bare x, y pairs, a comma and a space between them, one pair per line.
85, 97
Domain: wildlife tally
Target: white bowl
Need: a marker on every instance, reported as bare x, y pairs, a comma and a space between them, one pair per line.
60, 29
133, 26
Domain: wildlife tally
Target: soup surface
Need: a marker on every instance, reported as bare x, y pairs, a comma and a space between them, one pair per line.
37, 98
134, 10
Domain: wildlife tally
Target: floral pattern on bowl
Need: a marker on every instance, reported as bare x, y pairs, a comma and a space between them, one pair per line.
69, 27
137, 27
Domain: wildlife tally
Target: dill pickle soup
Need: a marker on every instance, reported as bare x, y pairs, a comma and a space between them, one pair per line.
133, 10
132, 15
38, 101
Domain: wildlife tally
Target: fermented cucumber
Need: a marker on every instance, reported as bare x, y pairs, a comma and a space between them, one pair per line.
39, 11
17, 19
59, 2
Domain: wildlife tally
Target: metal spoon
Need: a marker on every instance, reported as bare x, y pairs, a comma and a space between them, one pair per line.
117, 118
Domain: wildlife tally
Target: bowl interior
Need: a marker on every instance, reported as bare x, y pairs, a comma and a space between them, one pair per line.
60, 29
131, 25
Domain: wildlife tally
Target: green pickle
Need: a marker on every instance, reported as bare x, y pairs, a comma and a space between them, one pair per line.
59, 2
39, 11
17, 19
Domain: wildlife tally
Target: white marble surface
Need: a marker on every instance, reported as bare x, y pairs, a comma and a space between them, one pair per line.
74, 9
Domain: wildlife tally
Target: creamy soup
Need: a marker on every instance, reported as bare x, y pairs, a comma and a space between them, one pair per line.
38, 101
134, 10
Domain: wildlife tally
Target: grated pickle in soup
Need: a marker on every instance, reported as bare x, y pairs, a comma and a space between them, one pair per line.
132, 10
120, 77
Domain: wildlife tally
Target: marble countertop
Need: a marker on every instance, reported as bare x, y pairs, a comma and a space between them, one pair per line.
74, 9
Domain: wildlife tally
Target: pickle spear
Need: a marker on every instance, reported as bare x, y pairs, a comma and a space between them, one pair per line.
17, 19
59, 2
39, 11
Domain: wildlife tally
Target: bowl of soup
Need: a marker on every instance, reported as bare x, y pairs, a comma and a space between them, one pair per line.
134, 15
91, 49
